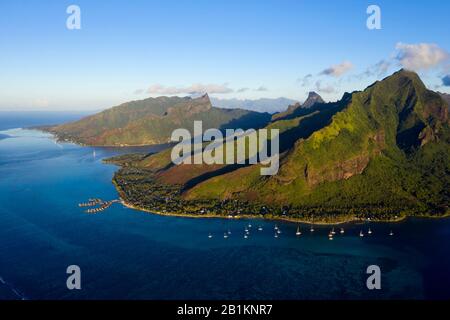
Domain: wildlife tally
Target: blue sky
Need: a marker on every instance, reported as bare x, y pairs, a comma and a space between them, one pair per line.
128, 50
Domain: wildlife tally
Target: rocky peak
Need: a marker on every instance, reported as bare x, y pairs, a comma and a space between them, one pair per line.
200, 104
313, 98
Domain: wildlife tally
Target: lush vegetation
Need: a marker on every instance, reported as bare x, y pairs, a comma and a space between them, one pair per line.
152, 121
382, 153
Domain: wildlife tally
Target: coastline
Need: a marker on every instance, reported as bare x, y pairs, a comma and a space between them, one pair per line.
269, 217
343, 220
278, 218
266, 217
121, 145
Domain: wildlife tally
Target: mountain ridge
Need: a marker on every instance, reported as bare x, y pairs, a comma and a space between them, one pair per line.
294, 109
386, 148
152, 120
321, 158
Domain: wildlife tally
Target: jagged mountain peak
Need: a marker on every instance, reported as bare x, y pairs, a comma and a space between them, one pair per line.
205, 97
380, 148
151, 121
313, 98
293, 109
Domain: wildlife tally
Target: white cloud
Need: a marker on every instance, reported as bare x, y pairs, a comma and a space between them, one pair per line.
197, 88
262, 88
241, 90
377, 70
305, 81
381, 67
324, 89
420, 56
338, 69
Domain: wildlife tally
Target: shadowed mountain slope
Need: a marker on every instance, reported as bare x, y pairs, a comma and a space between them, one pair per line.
382, 152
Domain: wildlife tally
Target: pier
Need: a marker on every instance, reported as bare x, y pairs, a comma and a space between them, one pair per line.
98, 203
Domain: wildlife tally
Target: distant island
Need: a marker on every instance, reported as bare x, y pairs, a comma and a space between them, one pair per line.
259, 105
381, 154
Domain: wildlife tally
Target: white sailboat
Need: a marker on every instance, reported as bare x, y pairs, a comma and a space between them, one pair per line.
342, 231
210, 236
370, 231
361, 234
225, 235
298, 233
391, 233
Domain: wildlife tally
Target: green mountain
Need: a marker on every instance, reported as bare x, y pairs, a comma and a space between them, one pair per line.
151, 121
381, 153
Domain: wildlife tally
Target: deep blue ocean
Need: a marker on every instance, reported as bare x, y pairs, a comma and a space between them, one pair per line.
128, 254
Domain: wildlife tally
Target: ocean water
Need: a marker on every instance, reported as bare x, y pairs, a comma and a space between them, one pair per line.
25, 119
128, 254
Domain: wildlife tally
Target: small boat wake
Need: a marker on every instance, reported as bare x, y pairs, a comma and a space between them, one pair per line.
16, 292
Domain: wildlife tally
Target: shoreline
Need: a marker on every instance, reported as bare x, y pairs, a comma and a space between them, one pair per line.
276, 218
82, 144
267, 217
344, 220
